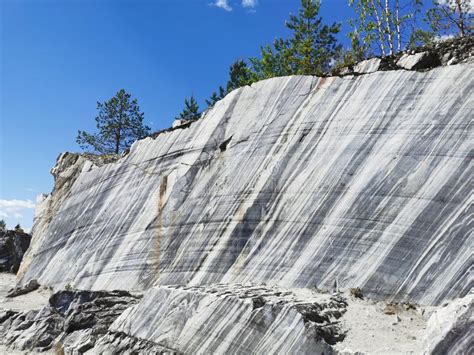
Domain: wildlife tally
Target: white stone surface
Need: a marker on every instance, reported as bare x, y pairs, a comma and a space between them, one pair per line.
178, 122
201, 322
450, 328
297, 181
367, 66
409, 61
221, 319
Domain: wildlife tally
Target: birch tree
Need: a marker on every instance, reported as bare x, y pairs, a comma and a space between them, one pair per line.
451, 17
384, 26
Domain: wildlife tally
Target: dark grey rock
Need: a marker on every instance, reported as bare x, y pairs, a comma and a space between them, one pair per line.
72, 319
30, 286
450, 52
13, 245
419, 61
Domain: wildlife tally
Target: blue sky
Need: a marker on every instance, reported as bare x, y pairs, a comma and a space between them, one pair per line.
59, 57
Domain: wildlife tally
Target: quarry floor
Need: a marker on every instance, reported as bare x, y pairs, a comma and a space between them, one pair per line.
373, 327
33, 300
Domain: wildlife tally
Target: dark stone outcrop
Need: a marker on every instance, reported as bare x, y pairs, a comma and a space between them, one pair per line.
321, 319
422, 58
73, 319
30, 286
13, 245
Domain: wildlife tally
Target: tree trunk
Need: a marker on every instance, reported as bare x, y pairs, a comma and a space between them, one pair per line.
398, 25
379, 29
461, 18
117, 141
389, 28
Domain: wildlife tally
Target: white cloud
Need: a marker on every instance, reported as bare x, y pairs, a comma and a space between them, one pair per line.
223, 4
249, 3
466, 5
17, 211
12, 208
226, 4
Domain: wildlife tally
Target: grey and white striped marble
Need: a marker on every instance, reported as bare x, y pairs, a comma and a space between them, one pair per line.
297, 181
224, 319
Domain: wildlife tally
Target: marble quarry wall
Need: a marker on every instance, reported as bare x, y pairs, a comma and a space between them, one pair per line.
298, 182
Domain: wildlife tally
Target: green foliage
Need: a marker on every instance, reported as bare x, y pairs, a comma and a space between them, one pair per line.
451, 17
216, 97
384, 26
3, 225
313, 45
68, 287
274, 61
310, 51
409, 305
359, 50
421, 37
191, 110
357, 293
239, 75
119, 122
353, 55
211, 101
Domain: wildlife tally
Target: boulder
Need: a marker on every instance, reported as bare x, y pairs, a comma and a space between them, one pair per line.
30, 286
71, 320
13, 245
419, 61
367, 66
449, 329
178, 123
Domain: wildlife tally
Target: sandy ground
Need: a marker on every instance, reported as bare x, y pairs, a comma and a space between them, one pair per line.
373, 327
33, 300
378, 327
373, 331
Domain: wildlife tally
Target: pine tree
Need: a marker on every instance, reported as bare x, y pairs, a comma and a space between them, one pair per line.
239, 75
310, 51
313, 45
3, 225
120, 123
191, 110
211, 101
274, 61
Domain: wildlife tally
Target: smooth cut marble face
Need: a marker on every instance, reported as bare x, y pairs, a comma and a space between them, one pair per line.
296, 181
